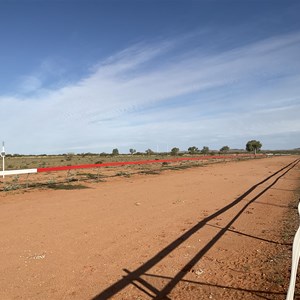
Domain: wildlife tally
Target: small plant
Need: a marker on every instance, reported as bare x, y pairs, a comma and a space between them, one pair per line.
71, 177
69, 156
8, 188
123, 174
278, 279
51, 181
91, 176
15, 179
14, 184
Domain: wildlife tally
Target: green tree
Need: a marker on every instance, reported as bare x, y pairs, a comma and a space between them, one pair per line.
253, 145
149, 152
205, 150
193, 150
132, 151
174, 151
115, 151
224, 149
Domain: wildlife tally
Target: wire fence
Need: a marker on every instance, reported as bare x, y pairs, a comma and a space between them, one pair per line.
65, 176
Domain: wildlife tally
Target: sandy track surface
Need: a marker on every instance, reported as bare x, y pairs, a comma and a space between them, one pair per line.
212, 232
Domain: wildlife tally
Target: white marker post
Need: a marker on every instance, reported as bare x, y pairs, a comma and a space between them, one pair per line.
3, 161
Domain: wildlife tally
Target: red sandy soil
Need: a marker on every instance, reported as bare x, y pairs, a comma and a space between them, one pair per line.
220, 231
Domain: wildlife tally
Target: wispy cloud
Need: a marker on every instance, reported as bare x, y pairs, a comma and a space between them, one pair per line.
47, 72
157, 94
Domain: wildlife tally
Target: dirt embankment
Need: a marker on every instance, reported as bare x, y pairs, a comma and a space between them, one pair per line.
219, 231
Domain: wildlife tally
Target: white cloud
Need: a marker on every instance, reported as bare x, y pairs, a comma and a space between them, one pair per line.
138, 98
30, 84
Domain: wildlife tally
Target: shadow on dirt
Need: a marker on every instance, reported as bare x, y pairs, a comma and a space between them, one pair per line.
251, 236
262, 294
150, 290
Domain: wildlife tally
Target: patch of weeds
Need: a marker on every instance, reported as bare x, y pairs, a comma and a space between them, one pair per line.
15, 179
176, 168
92, 176
122, 174
72, 179
14, 184
278, 279
9, 187
51, 181
62, 186
150, 172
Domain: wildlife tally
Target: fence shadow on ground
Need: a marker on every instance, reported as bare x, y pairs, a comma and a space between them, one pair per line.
260, 293
135, 276
251, 236
276, 205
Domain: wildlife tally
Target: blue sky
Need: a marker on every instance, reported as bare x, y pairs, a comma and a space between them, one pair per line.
90, 76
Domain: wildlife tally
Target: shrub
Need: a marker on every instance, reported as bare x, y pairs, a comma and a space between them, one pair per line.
174, 151
115, 152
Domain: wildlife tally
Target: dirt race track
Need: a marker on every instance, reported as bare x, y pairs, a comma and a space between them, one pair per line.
221, 231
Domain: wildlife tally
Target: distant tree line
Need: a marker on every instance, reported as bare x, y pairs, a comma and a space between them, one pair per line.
251, 146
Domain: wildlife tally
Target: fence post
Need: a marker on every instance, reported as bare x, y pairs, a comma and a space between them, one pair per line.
295, 262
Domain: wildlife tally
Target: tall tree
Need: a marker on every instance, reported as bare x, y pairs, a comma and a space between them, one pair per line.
174, 151
149, 152
205, 150
115, 151
193, 150
224, 149
253, 145
132, 151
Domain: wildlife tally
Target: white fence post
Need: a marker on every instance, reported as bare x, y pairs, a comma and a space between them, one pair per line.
295, 262
2, 154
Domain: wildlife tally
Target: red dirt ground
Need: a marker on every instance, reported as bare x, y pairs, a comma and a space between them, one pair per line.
220, 231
